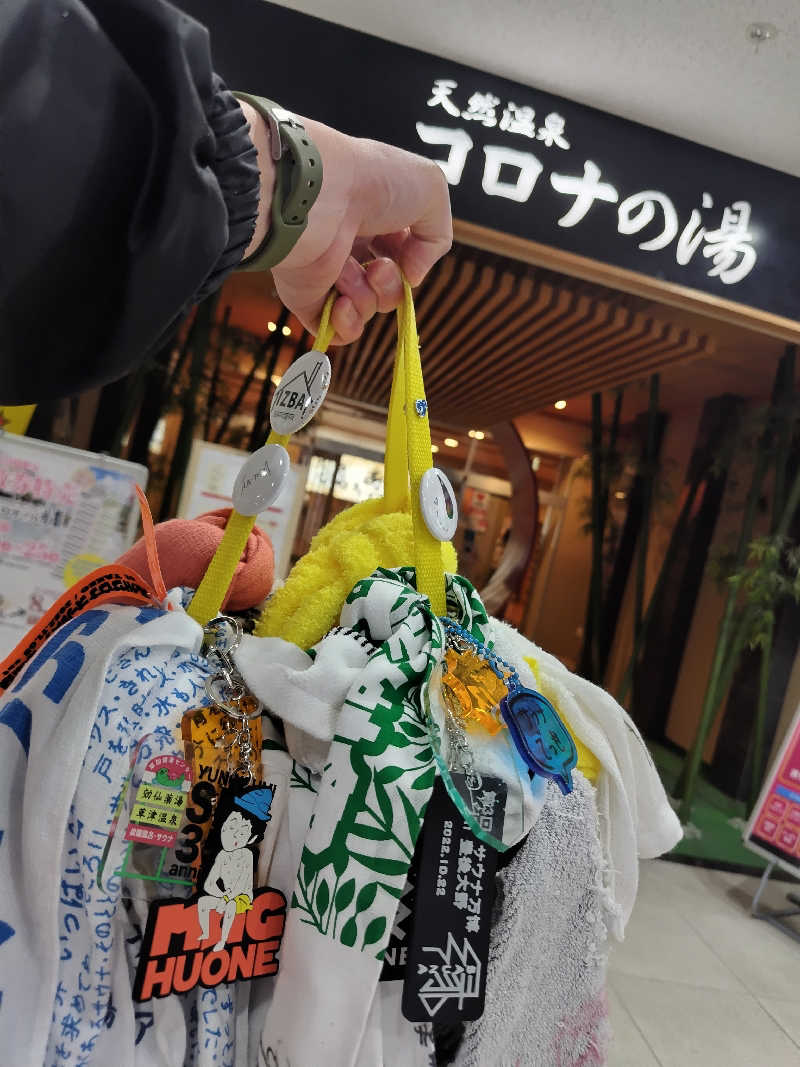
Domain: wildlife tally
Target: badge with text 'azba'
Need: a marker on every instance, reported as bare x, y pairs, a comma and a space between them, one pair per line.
300, 393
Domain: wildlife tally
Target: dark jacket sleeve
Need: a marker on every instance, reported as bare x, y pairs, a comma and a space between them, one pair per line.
128, 187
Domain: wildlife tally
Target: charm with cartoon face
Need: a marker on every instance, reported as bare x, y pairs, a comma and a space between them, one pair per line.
540, 736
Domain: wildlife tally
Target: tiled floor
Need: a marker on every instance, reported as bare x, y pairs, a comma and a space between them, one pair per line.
697, 981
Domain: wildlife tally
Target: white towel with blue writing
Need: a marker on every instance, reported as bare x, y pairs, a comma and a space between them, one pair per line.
63, 976
68, 949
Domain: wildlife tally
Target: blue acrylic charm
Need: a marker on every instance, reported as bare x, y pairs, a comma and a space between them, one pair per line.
540, 736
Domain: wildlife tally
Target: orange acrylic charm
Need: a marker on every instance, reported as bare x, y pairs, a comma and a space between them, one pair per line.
472, 691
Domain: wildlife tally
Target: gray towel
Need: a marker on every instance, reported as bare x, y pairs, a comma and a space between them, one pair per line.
545, 1001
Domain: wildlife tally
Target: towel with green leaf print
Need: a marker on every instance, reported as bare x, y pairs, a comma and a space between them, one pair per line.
378, 780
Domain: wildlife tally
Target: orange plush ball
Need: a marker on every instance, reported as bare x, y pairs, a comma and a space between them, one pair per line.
186, 547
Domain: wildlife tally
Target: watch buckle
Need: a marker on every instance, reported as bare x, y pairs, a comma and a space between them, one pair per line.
276, 116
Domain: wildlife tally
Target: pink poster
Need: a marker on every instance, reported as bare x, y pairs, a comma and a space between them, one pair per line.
774, 827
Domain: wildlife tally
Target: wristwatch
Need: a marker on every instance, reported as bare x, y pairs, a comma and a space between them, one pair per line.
298, 180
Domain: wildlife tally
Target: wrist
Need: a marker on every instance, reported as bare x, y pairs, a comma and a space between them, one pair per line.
260, 136
337, 209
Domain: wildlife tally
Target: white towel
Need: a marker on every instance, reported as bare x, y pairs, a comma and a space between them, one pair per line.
635, 815
545, 991
50, 850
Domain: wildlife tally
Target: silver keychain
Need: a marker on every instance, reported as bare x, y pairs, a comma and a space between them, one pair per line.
226, 691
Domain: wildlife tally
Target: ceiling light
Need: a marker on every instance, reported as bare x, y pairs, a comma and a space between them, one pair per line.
286, 331
759, 32
619, 494
434, 448
560, 405
271, 327
477, 435
536, 463
276, 379
451, 442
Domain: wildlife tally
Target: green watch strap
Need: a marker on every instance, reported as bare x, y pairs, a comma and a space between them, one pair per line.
298, 180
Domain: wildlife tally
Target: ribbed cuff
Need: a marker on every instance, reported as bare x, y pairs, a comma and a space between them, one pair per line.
236, 168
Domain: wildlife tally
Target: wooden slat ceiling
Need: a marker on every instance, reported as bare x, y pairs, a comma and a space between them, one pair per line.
501, 338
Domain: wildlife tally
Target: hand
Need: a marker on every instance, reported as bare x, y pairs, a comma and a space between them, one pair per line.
379, 206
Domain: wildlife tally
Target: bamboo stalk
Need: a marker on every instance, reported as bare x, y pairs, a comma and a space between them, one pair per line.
133, 399
612, 447
675, 542
711, 700
590, 654
647, 503
186, 347
765, 667
787, 515
258, 357
784, 434
258, 434
183, 446
222, 341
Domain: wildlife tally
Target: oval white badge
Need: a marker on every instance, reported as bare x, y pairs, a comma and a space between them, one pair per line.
261, 479
300, 393
438, 502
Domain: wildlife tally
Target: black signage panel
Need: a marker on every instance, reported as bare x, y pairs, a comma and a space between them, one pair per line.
528, 163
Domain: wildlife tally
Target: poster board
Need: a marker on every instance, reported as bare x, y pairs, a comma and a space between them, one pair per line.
63, 513
208, 485
774, 827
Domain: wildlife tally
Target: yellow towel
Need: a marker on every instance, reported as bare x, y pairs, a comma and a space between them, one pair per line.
344, 552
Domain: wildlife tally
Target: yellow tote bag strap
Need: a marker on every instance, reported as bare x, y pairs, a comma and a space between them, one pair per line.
408, 456
207, 601
427, 549
395, 466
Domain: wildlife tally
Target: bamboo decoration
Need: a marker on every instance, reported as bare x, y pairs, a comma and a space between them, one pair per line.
754, 563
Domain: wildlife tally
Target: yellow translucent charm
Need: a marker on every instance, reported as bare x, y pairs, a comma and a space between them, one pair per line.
472, 691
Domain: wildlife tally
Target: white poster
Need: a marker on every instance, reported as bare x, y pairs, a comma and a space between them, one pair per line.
208, 485
63, 513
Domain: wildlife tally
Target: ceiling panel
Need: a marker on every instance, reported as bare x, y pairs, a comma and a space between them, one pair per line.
500, 339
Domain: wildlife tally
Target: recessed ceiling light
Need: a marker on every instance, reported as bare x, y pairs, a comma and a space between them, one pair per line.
451, 442
536, 462
560, 405
275, 379
286, 331
434, 448
477, 435
271, 327
759, 32
620, 495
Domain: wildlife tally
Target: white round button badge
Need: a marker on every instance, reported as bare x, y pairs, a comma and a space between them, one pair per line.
261, 479
438, 502
300, 393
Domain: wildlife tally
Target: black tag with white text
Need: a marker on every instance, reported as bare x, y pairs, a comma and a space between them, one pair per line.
445, 980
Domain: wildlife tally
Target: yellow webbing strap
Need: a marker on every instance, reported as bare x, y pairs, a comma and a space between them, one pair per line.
207, 601
427, 549
408, 456
395, 467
